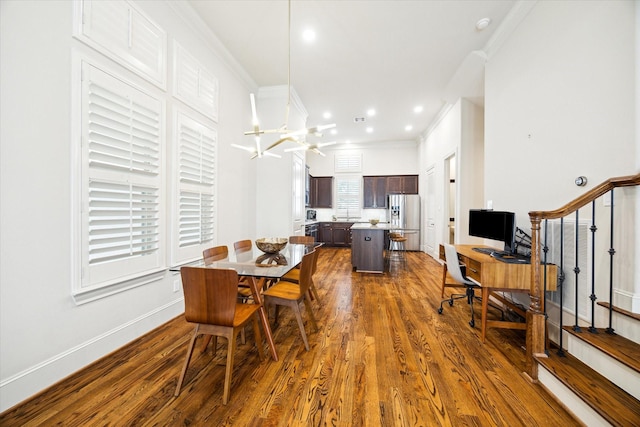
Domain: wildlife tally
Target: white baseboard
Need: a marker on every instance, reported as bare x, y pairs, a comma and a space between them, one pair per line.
27, 383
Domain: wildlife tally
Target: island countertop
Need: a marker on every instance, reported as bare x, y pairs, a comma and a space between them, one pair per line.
379, 226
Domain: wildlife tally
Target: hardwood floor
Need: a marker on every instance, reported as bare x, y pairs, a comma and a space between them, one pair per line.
383, 357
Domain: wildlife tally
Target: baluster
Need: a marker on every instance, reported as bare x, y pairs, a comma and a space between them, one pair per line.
561, 288
593, 298
576, 270
612, 252
545, 250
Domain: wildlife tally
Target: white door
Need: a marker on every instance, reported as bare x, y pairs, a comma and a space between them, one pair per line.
430, 214
298, 180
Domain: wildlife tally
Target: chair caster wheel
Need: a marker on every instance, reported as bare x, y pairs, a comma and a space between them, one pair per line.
440, 310
450, 303
472, 323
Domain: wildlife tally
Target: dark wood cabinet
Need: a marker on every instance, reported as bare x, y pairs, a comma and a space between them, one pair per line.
325, 233
376, 188
335, 233
374, 192
342, 233
321, 192
367, 250
402, 184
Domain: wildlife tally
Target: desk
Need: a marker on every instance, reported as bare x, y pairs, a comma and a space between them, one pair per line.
493, 275
244, 264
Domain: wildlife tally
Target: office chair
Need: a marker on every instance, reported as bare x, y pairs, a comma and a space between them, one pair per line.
453, 267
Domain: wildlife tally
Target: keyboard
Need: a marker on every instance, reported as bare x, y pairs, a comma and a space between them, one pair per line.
488, 251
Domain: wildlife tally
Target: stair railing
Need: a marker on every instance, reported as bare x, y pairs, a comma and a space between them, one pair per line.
536, 316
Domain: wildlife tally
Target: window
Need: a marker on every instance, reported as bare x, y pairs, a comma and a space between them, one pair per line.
121, 142
197, 152
348, 163
194, 84
348, 195
121, 31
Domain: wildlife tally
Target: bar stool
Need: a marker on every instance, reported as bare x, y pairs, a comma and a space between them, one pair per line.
396, 248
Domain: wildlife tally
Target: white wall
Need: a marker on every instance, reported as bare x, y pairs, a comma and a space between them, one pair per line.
559, 102
44, 335
459, 133
390, 158
560, 99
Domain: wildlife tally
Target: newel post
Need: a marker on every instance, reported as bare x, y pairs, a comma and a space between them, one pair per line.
535, 314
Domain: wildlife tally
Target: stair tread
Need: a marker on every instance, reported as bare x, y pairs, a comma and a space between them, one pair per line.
614, 404
616, 346
620, 310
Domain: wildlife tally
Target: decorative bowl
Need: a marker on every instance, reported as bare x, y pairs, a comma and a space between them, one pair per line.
374, 221
271, 245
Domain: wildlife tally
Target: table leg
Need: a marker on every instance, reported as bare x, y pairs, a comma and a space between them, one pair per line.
485, 306
256, 285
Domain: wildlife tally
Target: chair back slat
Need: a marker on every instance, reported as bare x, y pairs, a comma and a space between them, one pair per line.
216, 253
210, 295
242, 246
306, 271
303, 240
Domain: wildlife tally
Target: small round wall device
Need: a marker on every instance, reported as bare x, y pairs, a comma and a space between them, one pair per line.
581, 181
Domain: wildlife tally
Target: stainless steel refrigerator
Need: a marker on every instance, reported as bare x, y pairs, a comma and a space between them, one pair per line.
404, 213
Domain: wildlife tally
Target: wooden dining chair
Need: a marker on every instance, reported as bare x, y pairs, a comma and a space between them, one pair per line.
290, 294
243, 247
219, 253
293, 276
210, 299
216, 253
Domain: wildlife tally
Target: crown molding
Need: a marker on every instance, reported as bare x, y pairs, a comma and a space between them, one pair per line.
514, 18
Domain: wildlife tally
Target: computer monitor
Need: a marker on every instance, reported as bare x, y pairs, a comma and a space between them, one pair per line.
494, 225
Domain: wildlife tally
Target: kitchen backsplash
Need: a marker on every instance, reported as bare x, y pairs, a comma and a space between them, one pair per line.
324, 215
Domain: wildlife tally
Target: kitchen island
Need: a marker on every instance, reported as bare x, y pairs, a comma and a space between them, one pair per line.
368, 244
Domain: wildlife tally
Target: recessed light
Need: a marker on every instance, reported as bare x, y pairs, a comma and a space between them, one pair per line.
408, 128
369, 129
309, 35
326, 115
371, 112
333, 131
483, 23
418, 109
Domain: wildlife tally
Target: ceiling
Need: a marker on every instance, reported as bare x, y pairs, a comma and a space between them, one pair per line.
389, 55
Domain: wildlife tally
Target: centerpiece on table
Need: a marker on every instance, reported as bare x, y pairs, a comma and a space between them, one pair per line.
271, 246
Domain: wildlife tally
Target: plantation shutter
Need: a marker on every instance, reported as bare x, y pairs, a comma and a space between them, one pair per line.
348, 196
120, 30
194, 84
197, 162
121, 150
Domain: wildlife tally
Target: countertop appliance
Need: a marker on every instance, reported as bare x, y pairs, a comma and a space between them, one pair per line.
404, 213
311, 214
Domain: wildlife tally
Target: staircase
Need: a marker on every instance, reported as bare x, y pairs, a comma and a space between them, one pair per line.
591, 356
598, 376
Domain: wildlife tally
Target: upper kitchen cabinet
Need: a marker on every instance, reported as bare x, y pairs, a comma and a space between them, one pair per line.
376, 188
374, 192
402, 184
321, 192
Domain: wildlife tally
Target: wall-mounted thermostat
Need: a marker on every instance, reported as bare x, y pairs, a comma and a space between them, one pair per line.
581, 181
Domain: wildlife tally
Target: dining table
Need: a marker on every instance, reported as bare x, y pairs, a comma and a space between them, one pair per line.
259, 272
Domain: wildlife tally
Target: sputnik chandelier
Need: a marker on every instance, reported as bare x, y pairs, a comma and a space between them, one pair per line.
297, 136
